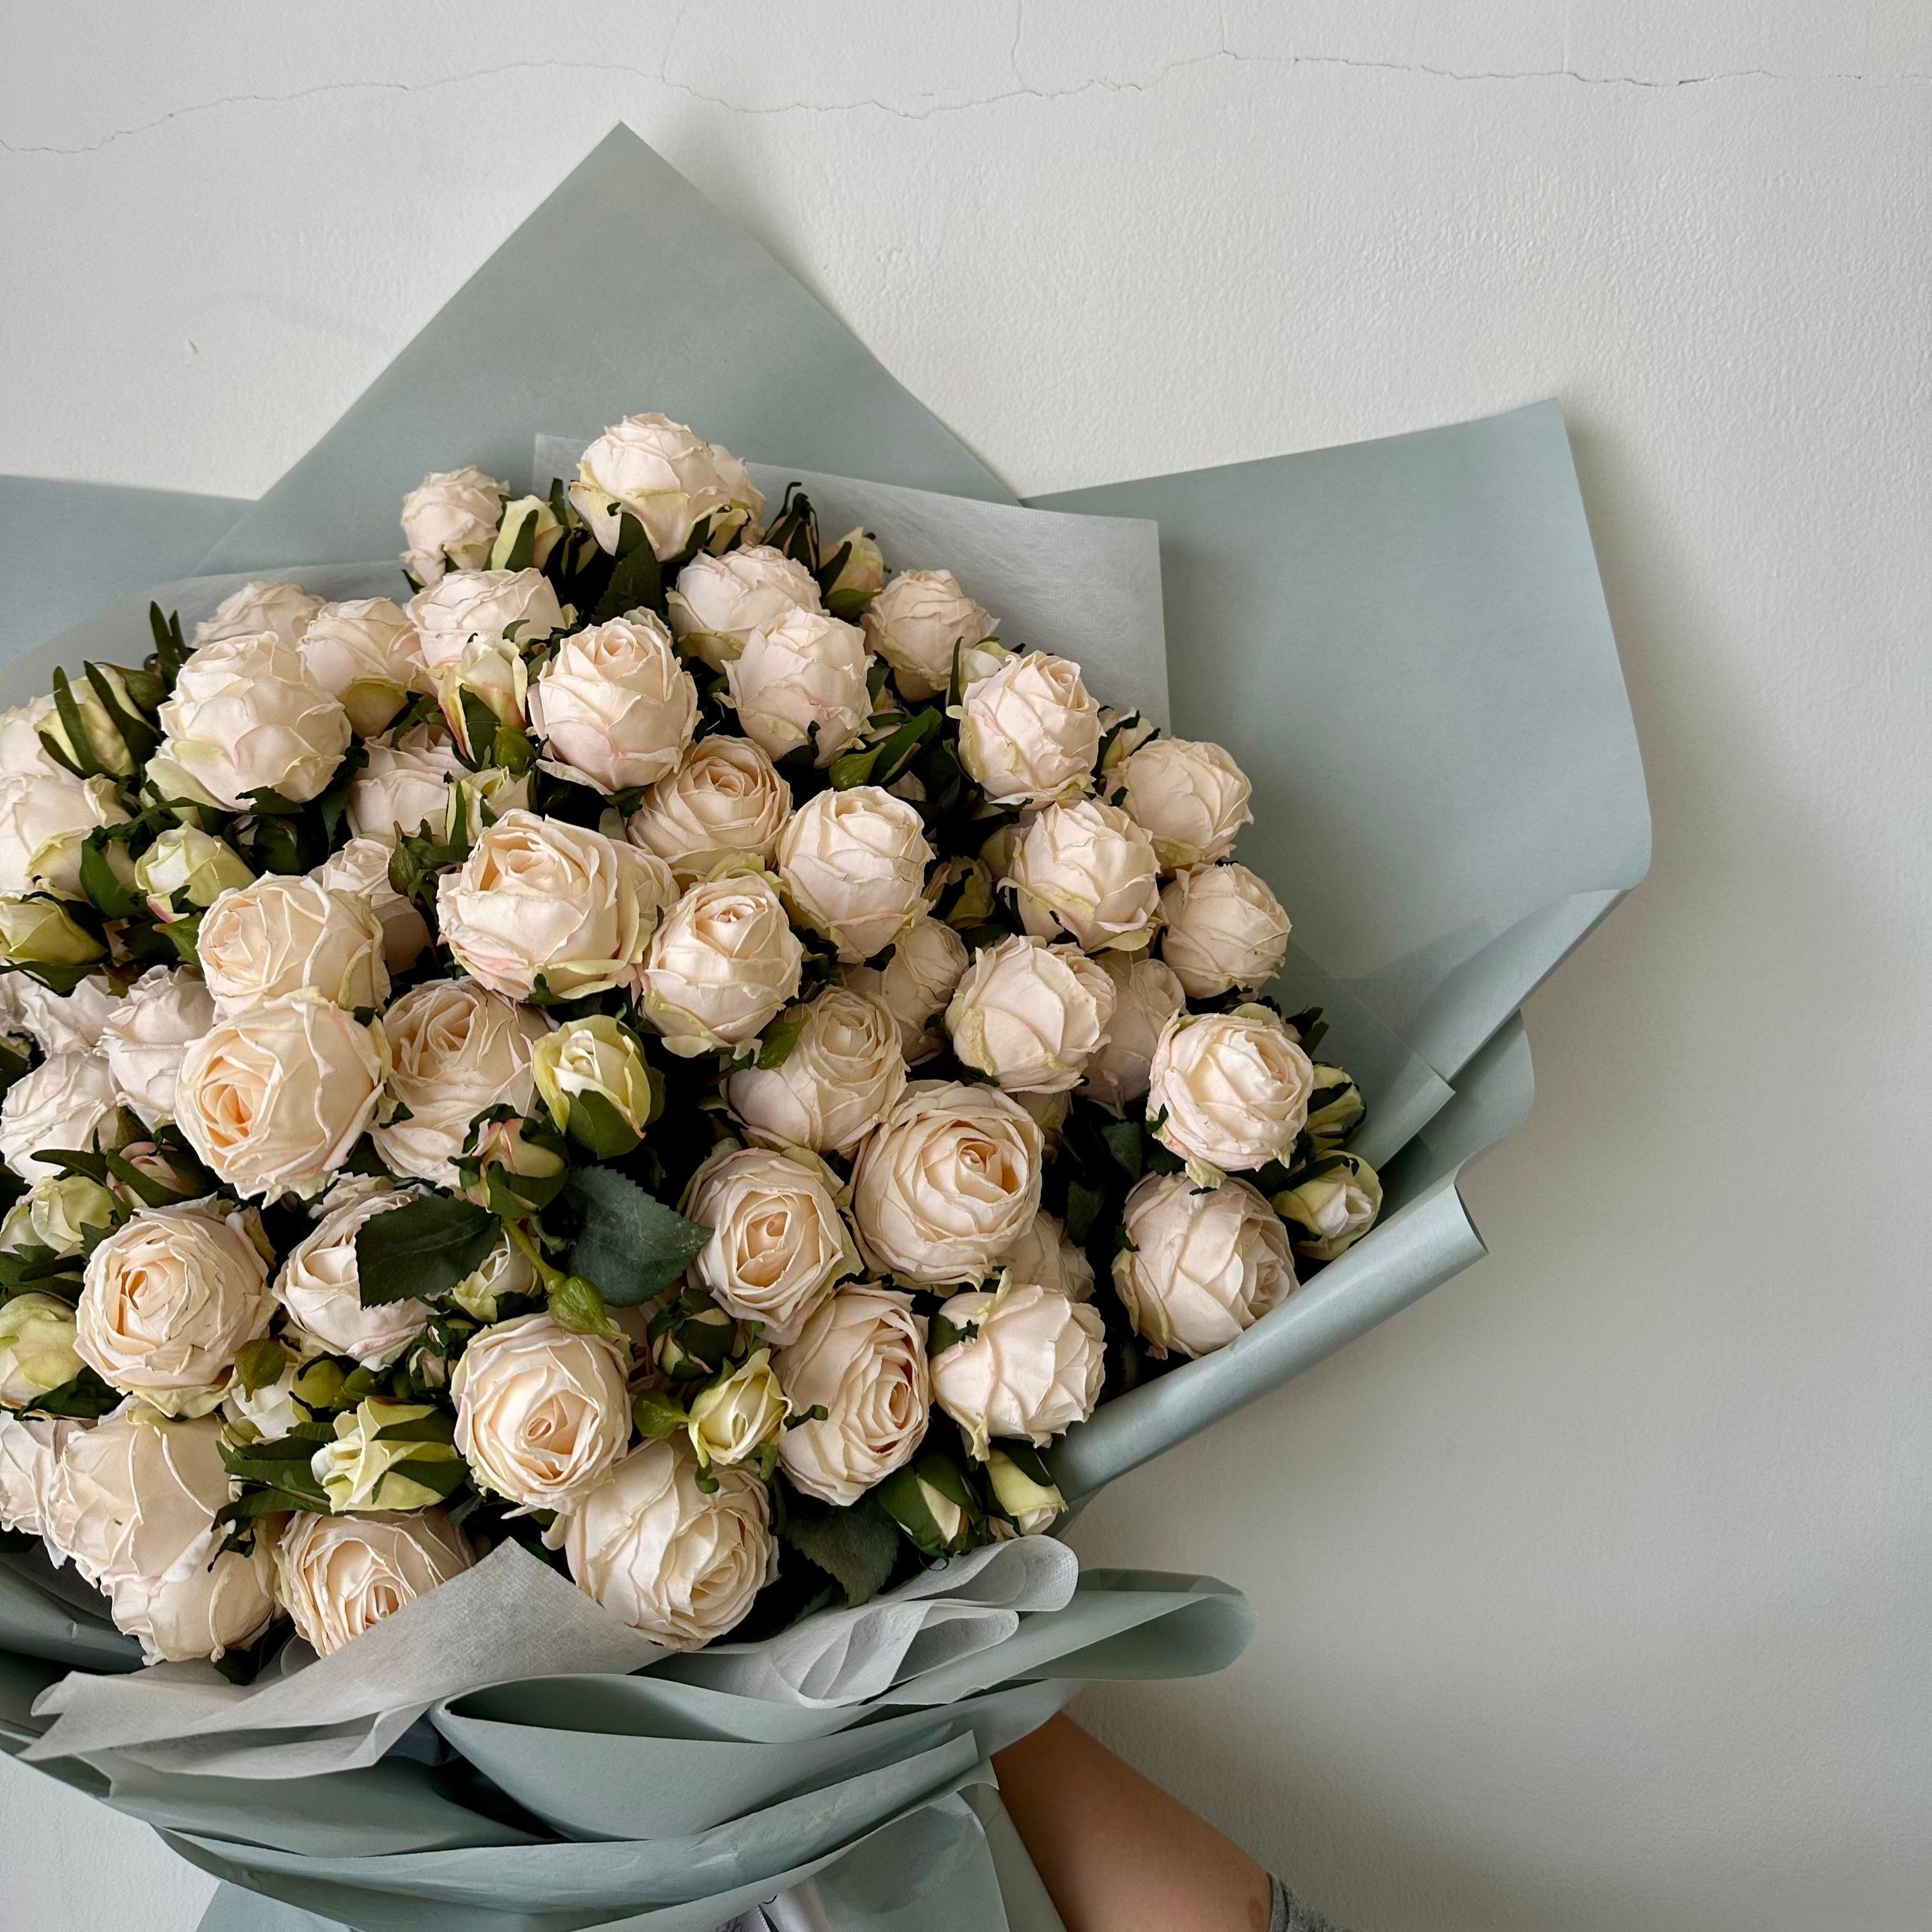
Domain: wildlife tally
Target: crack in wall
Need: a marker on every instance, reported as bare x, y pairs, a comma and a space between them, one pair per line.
1095, 84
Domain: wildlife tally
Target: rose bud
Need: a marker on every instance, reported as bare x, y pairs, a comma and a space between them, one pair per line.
60, 1105
671, 479
457, 1050
916, 984
726, 800
612, 706
338, 1576
280, 937
44, 824
1229, 1090
534, 514
449, 522
1087, 870
948, 1182
731, 1417
1206, 1263
1029, 732
929, 1500
283, 610
837, 1081
37, 932
593, 1080
64, 1210
542, 905
1147, 996
274, 1100
861, 1358
363, 653
1336, 1202
1032, 1370
1224, 929
1025, 1490
725, 960
1335, 1108
718, 602
516, 608
919, 623
37, 1349
246, 716
854, 866
483, 691
800, 681
368, 1468
541, 1413
1190, 796
1029, 1015
678, 1562
858, 579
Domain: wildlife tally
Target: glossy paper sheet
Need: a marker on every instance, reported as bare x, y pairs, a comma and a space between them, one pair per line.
1403, 642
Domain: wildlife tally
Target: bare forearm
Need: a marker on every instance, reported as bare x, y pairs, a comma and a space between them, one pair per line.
1116, 1853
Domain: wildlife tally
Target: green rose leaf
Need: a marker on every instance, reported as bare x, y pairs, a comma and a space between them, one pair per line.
856, 1547
421, 1250
637, 582
631, 1245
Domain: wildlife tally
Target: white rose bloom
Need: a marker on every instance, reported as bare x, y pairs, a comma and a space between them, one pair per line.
916, 984
283, 936
862, 1357
168, 1301
1190, 797
719, 601
1033, 1370
918, 622
678, 1563
539, 899
30, 1453
1224, 929
22, 752
948, 1182
727, 799
74, 1022
403, 784
1230, 1090
1029, 732
38, 1332
44, 827
449, 522
1206, 1263
541, 1412
1147, 996
246, 716
361, 868
840, 1078
1044, 1254
482, 606
275, 1100
133, 1502
613, 705
365, 654
1087, 870
146, 1034
670, 478
282, 609
456, 1050
802, 679
1030, 1016
723, 962
777, 1242
853, 863
58, 1106
339, 1575
322, 1290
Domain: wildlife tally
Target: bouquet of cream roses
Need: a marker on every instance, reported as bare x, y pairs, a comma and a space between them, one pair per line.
672, 1046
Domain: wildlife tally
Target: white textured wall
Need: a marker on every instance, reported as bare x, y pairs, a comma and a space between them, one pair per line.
1595, 1587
